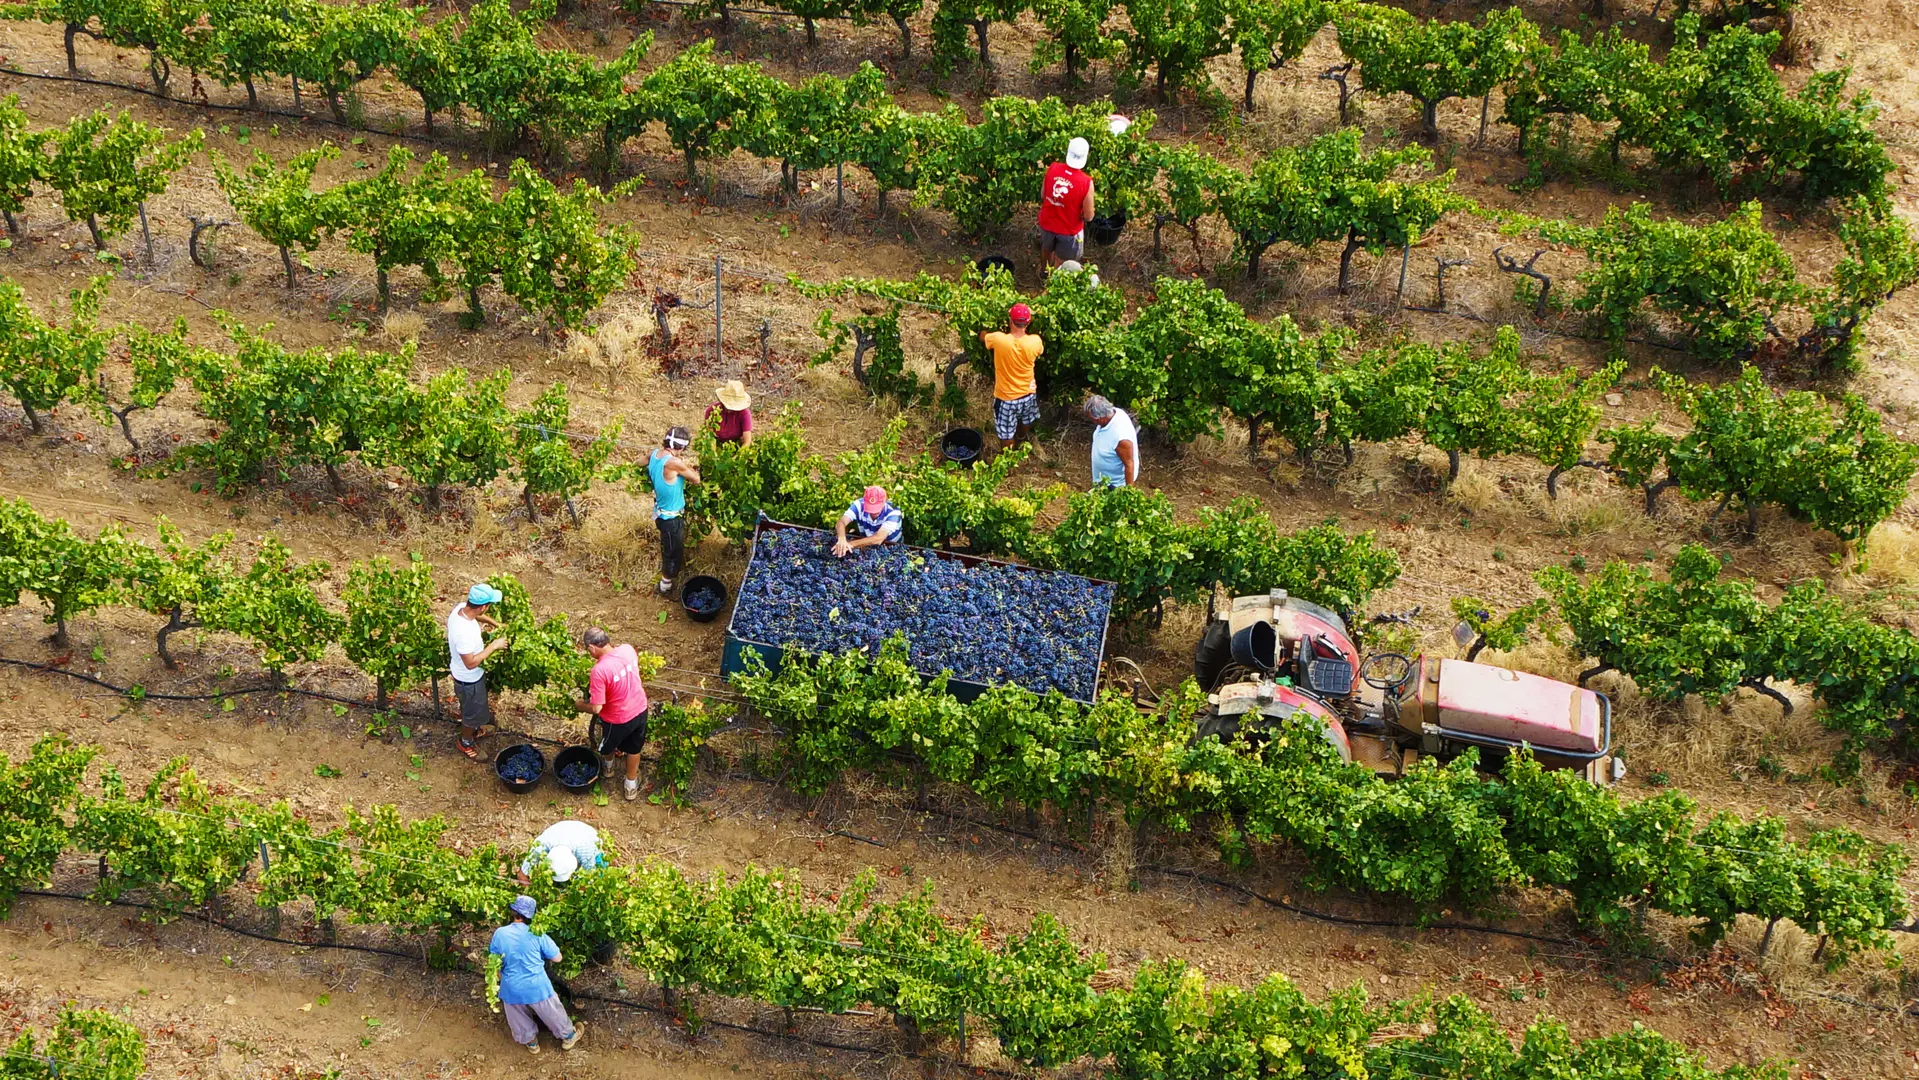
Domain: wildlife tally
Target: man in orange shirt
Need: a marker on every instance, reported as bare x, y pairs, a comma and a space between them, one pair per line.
1015, 393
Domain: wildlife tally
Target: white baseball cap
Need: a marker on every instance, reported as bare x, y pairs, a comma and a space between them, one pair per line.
1118, 124
563, 862
1076, 152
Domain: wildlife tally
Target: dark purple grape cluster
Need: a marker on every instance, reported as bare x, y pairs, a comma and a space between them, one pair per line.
521, 765
703, 598
579, 773
986, 624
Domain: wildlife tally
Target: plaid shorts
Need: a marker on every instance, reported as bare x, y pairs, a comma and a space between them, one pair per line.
1009, 416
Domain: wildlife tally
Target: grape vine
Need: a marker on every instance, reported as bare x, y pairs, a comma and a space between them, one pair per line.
760, 934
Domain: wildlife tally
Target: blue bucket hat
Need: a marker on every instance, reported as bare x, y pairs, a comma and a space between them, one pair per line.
482, 594
523, 906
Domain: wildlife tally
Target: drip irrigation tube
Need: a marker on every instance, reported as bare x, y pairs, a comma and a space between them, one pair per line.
145, 694
201, 916
152, 695
193, 103
1356, 920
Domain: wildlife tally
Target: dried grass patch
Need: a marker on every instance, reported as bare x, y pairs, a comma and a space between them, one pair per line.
1892, 554
616, 530
1474, 491
402, 326
1691, 738
1119, 847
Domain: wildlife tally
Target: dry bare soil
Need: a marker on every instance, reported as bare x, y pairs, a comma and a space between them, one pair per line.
218, 1005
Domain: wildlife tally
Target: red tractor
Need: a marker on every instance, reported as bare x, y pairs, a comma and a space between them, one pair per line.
1270, 657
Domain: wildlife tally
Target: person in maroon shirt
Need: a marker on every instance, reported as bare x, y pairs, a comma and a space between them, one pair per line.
1065, 205
736, 413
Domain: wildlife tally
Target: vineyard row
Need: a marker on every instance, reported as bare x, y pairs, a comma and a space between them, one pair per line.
1696, 633
1186, 358
1329, 190
85, 1044
1031, 749
760, 936
1191, 356
1714, 104
543, 246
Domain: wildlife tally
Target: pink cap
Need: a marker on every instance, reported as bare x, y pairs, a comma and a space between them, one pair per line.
1020, 313
874, 500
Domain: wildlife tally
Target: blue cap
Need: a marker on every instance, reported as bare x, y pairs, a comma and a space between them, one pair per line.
523, 906
483, 594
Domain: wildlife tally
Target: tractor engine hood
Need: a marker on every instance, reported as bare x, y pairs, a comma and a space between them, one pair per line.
1514, 706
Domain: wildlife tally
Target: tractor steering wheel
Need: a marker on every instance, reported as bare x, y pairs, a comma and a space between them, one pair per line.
1397, 668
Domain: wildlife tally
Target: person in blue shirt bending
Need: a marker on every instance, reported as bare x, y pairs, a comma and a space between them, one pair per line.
877, 520
526, 993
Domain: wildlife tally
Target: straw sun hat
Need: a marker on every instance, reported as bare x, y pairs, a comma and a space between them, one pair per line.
733, 395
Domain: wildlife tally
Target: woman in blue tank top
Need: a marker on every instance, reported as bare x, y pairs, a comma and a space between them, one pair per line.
670, 474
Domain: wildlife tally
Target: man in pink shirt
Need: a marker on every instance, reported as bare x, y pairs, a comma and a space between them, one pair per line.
615, 695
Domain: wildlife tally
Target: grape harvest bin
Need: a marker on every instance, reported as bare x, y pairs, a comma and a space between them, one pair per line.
737, 648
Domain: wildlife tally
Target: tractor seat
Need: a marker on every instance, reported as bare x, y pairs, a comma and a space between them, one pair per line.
1324, 669
1334, 677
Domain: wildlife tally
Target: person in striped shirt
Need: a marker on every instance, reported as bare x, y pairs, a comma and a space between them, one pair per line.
875, 517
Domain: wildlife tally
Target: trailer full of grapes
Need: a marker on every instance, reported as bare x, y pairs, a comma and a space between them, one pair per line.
987, 622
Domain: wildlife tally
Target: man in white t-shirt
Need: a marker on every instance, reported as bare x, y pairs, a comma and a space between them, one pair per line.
1115, 444
567, 846
467, 650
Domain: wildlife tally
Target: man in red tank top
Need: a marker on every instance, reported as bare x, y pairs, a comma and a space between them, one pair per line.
1065, 205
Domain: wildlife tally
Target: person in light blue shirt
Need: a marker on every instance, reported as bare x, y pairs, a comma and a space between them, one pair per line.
670, 473
526, 993
1115, 444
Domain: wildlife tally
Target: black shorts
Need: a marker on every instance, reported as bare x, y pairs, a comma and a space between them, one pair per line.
627, 738
475, 712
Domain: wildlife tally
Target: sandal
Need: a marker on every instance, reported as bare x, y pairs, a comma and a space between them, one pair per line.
472, 752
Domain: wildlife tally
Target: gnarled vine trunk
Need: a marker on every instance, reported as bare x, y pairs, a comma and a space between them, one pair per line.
1346, 262
336, 106
1253, 252
126, 428
1653, 491
176, 621
1429, 118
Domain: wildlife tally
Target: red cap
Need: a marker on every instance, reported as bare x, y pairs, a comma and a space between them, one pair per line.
874, 499
1020, 313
